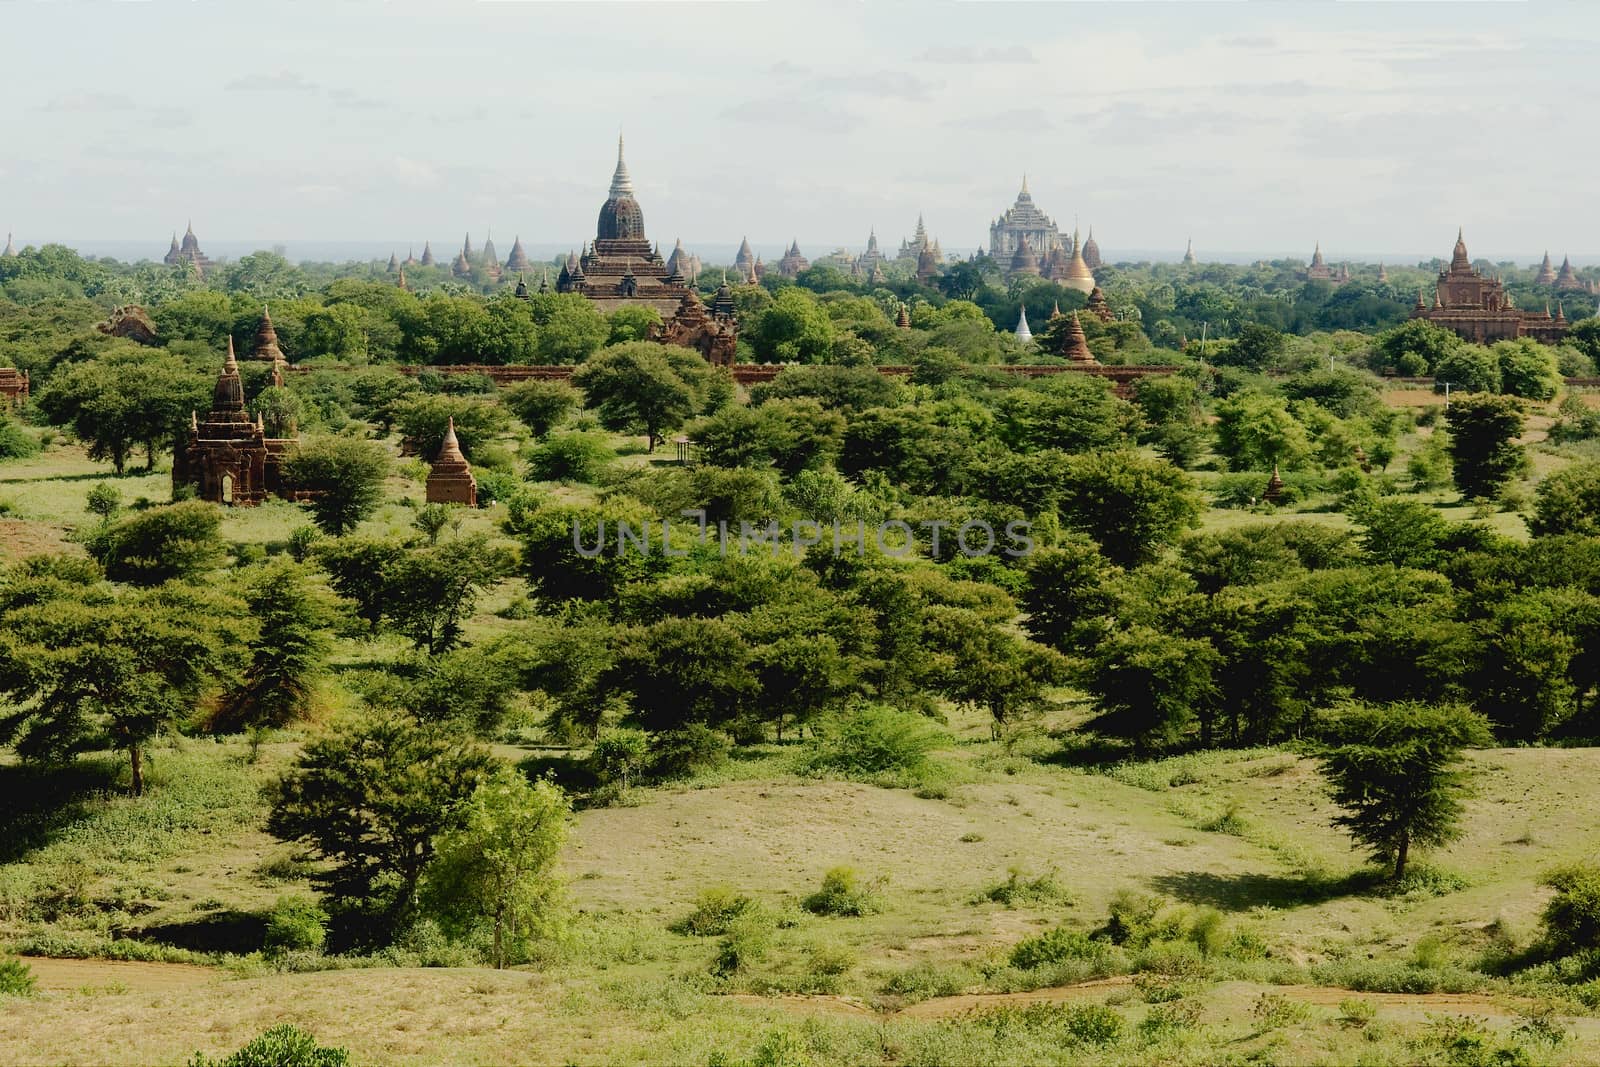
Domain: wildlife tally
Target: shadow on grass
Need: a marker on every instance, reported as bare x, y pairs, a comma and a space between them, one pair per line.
42, 801
226, 931
1241, 892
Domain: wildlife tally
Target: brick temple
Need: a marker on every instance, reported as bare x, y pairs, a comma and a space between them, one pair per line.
1477, 308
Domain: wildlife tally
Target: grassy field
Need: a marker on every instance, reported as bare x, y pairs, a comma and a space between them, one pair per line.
142, 918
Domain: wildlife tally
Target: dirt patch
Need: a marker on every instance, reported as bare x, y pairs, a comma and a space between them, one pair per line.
945, 1007
60, 976
806, 1003
19, 539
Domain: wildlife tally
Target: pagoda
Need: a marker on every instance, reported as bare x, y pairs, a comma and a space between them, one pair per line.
1547, 273
1023, 260
927, 264
1188, 254
1024, 335
427, 254
1091, 251
491, 258
902, 318
450, 480
518, 260
393, 265
1076, 347
227, 458
912, 250
745, 261
871, 258
792, 262
1022, 221
1098, 306
266, 347
1567, 278
1319, 270
1383, 274
11, 253
1478, 309
1078, 275
621, 268
187, 252
679, 264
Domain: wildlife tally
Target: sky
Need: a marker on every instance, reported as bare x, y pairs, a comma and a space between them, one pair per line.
1253, 129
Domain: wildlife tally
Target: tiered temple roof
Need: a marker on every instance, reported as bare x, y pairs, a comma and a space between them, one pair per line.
1022, 219
266, 347
187, 252
427, 254
1567, 278
393, 265
227, 458
1479, 309
491, 258
1319, 266
871, 257
1023, 260
1547, 273
1091, 251
792, 262
1098, 307
1077, 345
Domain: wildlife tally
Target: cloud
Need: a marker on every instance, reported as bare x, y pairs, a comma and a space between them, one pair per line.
354, 100
284, 81
1029, 120
968, 55
792, 112
415, 173
89, 103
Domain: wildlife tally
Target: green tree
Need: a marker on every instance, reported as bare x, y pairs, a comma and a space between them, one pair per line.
126, 399
1395, 771
497, 863
846, 389
370, 798
431, 590
344, 476
982, 665
178, 541
288, 653
1068, 594
1483, 443
1130, 504
1469, 369
358, 570
86, 669
1568, 502
423, 419
1414, 348
541, 405
280, 411
1255, 432
632, 322
794, 329
1153, 687
1528, 369
571, 457
639, 387
1256, 347
682, 671
570, 327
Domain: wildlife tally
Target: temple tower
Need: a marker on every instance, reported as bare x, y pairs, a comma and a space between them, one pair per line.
450, 481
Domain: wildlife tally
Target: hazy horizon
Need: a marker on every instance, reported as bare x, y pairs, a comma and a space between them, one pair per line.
1364, 127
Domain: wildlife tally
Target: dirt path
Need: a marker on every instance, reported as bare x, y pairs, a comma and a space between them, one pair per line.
66, 976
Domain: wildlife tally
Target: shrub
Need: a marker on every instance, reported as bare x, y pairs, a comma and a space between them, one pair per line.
1357, 1013
570, 457
842, 895
297, 924
694, 749
1166, 1020
748, 939
302, 540
15, 442
925, 980
1055, 946
1572, 917
872, 739
1274, 1011
104, 500
281, 1046
714, 911
16, 978
1019, 889
618, 756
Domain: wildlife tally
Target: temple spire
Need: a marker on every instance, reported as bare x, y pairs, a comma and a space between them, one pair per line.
621, 184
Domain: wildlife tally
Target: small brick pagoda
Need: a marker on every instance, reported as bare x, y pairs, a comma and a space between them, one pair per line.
451, 481
227, 458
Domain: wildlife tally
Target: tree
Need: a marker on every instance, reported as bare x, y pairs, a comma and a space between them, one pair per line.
1528, 369
632, 322
682, 671
982, 665
345, 477
85, 669
541, 405
1256, 432
847, 389
126, 399
423, 419
571, 328
1483, 443
1414, 348
794, 329
1568, 502
371, 798
1395, 771
1153, 687
791, 435
497, 864
280, 411
288, 653
636, 389
357, 568
430, 590
1067, 594
1469, 368
1130, 504
179, 541
1256, 347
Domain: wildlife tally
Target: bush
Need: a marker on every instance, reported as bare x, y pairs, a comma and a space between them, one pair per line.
297, 924
694, 749
281, 1046
302, 540
872, 739
1055, 946
618, 756
15, 442
714, 911
570, 457
16, 978
1019, 889
748, 939
1572, 917
177, 541
842, 895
